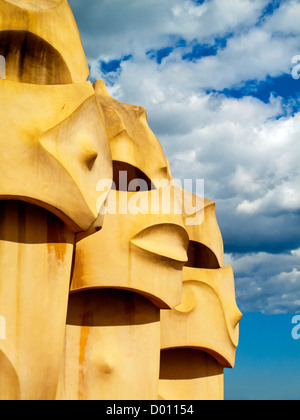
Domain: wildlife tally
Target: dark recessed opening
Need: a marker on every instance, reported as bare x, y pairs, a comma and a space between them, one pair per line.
187, 363
129, 178
110, 307
30, 59
200, 256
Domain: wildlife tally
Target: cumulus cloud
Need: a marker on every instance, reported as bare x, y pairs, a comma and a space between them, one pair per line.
111, 27
253, 50
197, 68
268, 283
285, 19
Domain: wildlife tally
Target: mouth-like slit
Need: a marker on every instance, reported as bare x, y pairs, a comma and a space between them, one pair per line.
190, 363
30, 59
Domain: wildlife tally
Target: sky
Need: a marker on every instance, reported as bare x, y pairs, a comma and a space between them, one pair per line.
220, 80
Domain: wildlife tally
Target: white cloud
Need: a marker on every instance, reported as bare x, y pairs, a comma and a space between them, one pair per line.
113, 27
296, 252
286, 18
217, 17
236, 141
267, 283
284, 197
253, 55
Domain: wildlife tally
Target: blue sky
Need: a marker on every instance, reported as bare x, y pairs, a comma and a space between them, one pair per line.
268, 360
216, 79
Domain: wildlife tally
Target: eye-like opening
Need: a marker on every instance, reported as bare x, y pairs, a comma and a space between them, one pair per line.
30, 59
200, 256
128, 178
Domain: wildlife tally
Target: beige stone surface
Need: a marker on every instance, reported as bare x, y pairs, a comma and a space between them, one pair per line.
112, 342
207, 317
59, 145
144, 253
36, 251
201, 334
130, 137
140, 252
53, 153
190, 374
41, 42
